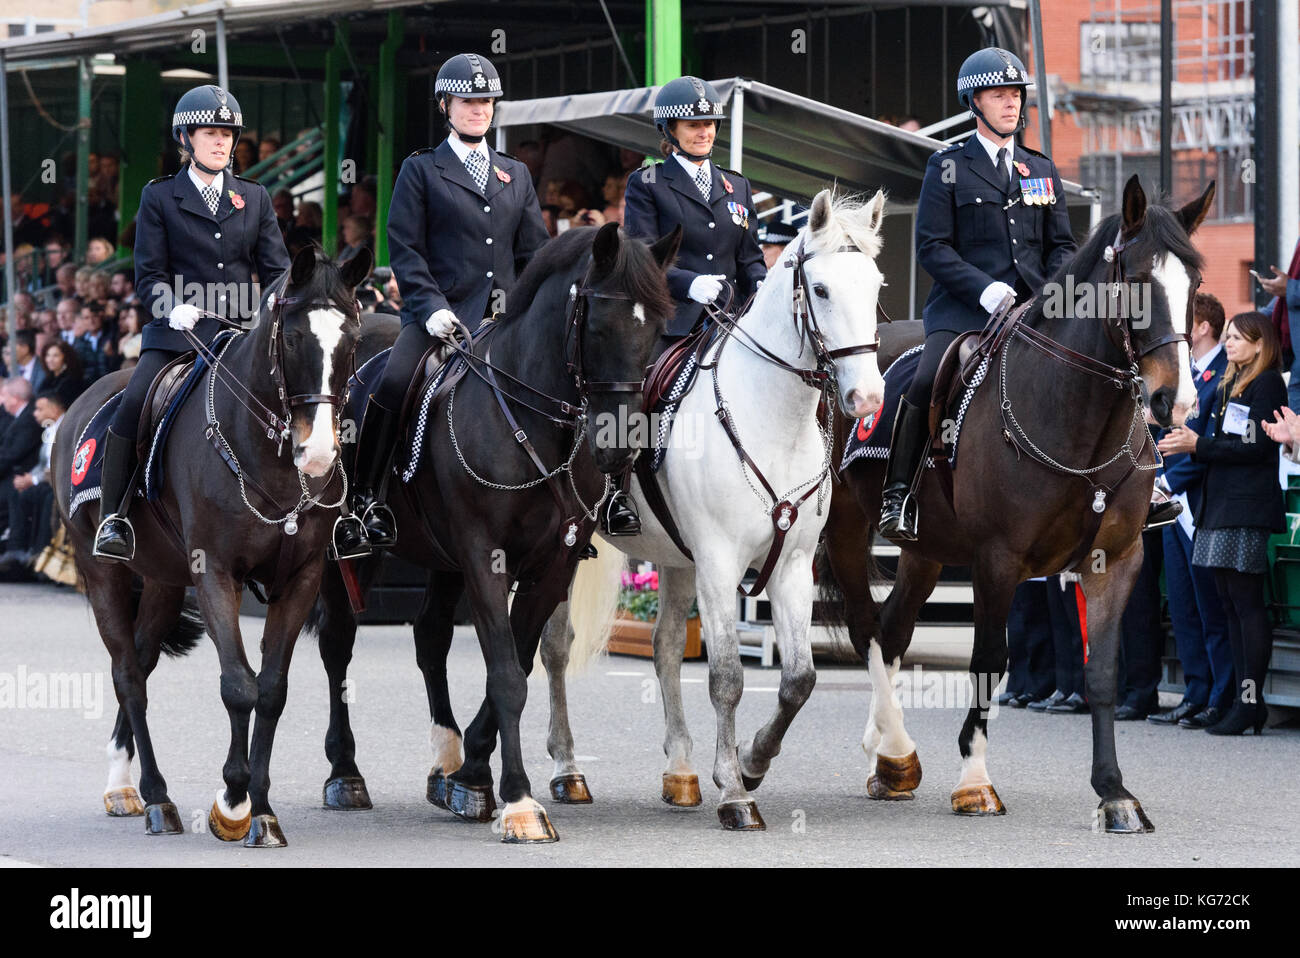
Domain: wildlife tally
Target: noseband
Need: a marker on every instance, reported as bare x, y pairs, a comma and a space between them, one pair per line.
580, 296
1119, 322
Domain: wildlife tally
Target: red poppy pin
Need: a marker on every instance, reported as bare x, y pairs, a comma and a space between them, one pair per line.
1207, 375
502, 175
1021, 168
726, 184
236, 200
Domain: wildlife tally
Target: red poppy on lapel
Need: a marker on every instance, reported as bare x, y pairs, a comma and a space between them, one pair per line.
1021, 168
502, 175
1207, 375
236, 200
726, 184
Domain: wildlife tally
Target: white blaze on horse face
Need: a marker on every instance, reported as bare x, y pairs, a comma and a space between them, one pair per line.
1171, 274
639, 312
862, 388
316, 454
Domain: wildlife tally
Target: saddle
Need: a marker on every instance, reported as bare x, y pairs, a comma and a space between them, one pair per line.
964, 356
163, 391
665, 370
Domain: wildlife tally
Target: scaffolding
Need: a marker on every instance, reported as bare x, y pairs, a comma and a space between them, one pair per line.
1117, 101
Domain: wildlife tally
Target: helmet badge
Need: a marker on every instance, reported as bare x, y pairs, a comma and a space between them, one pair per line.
704, 106
480, 81
1012, 72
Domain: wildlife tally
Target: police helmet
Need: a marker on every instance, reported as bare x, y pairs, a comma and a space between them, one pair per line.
468, 75
687, 98
207, 105
992, 67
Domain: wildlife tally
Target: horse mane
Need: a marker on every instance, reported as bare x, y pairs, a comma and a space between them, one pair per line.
635, 271
1161, 232
846, 225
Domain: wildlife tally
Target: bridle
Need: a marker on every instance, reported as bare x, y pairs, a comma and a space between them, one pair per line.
580, 295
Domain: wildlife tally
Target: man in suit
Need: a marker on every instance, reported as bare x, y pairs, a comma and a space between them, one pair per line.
991, 223
92, 343
1200, 623
1031, 669
26, 363
20, 444
31, 498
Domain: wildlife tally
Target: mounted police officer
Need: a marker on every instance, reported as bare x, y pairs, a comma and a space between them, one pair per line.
201, 230
463, 222
714, 207
991, 223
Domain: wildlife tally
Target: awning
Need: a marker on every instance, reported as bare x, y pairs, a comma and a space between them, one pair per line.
790, 145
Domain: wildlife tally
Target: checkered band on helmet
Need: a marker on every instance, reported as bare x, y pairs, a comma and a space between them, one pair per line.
468, 75
206, 106
989, 67
688, 98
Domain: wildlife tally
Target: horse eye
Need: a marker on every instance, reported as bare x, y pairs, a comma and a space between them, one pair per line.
820, 290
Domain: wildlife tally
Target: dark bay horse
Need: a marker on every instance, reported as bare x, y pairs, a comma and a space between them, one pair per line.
567, 361
214, 530
1049, 446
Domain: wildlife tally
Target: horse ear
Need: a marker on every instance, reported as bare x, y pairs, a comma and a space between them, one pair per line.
876, 210
356, 269
304, 264
604, 251
1135, 205
1194, 212
665, 249
820, 213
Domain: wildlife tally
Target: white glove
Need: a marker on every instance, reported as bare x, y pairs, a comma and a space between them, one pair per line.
705, 289
440, 323
183, 316
993, 295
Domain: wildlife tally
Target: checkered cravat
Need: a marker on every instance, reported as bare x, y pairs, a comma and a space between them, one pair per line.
477, 165
704, 182
210, 196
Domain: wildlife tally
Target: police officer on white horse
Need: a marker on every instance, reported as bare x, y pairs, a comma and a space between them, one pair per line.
714, 207
204, 226
991, 223
463, 222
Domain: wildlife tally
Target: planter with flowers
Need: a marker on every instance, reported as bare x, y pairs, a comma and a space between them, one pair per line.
638, 607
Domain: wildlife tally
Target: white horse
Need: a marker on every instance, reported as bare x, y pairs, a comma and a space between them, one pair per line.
817, 303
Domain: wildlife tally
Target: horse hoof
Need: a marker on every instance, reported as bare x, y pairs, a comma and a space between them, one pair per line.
162, 819
474, 803
226, 828
1124, 816
346, 793
264, 832
527, 825
741, 817
883, 793
123, 802
977, 800
570, 789
682, 791
436, 789
899, 774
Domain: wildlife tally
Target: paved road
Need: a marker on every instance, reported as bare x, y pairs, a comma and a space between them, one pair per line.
1214, 801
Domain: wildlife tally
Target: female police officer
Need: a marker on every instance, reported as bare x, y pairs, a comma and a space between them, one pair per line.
715, 209
463, 222
979, 241
201, 229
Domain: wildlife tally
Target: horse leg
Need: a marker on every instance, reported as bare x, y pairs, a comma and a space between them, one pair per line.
897, 770
1107, 594
791, 592
158, 611
219, 595
716, 578
994, 580
284, 620
109, 590
681, 786
568, 784
345, 788
434, 628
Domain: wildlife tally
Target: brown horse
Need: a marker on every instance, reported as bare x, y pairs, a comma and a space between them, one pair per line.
1055, 471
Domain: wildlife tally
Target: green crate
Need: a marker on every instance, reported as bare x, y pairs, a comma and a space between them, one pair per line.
1286, 584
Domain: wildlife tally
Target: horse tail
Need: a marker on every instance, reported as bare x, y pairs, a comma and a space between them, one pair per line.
593, 603
186, 632
830, 597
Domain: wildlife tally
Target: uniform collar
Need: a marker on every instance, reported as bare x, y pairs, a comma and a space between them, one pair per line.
992, 148
690, 167
217, 181
463, 149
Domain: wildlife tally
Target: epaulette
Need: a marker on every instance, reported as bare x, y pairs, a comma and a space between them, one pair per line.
160, 179
508, 156
723, 169
247, 180
1042, 156
950, 147
647, 176
427, 149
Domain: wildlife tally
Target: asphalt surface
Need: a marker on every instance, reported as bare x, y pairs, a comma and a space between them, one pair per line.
1214, 801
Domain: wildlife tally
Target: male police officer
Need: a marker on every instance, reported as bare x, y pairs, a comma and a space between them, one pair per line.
991, 223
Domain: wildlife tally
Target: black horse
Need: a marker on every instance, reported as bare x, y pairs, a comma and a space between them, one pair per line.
1055, 470
237, 507
566, 361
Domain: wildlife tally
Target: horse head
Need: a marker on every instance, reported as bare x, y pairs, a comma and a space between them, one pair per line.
623, 308
836, 253
1155, 249
313, 326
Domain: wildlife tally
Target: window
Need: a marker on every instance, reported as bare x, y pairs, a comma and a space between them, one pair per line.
1125, 52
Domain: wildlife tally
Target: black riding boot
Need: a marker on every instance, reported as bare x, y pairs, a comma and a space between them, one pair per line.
907, 451
1162, 513
115, 539
619, 517
374, 457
